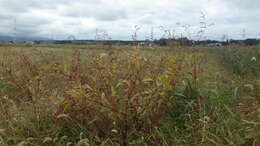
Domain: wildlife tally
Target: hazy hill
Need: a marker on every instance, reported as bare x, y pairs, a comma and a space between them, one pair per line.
19, 39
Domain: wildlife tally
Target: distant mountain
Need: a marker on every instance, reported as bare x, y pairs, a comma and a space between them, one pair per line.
5, 38
20, 39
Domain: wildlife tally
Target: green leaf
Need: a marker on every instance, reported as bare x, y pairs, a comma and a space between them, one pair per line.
147, 79
83, 142
2, 87
47, 139
113, 91
103, 98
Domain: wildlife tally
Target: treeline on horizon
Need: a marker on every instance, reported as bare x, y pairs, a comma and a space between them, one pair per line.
187, 42
161, 42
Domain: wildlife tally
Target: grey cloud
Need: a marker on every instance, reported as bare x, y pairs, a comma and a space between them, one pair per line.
4, 17
27, 5
63, 17
244, 4
98, 11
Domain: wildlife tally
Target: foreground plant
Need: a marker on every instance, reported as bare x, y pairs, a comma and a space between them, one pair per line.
120, 96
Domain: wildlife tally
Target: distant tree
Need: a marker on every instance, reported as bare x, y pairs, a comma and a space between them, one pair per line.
161, 42
251, 42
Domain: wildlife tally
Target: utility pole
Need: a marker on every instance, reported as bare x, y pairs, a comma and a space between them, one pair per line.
14, 31
96, 35
152, 35
243, 35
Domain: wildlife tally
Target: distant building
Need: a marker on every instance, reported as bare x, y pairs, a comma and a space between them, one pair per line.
45, 42
214, 44
29, 42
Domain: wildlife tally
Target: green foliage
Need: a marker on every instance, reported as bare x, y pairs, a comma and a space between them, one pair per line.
243, 61
116, 97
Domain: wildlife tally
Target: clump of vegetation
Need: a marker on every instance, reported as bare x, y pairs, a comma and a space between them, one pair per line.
241, 60
67, 96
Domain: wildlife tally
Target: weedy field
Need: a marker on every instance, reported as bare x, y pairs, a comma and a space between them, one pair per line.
94, 95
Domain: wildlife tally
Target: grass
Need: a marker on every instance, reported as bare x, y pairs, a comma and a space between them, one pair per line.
94, 95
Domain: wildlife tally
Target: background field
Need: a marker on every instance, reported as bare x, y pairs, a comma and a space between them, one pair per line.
120, 95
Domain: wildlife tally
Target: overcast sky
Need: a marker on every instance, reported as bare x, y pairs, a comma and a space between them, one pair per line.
59, 19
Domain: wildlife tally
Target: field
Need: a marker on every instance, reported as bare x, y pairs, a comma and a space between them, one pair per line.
69, 95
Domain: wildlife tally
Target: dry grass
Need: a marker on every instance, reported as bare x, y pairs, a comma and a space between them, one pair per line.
62, 95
